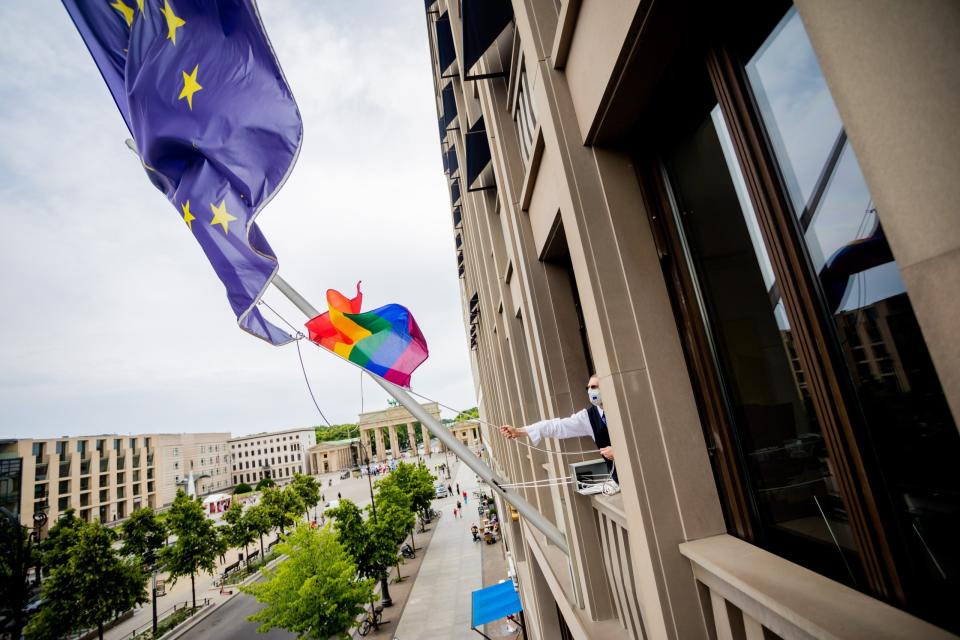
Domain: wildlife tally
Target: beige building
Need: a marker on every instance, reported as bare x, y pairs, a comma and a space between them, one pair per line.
277, 455
107, 477
468, 433
743, 217
380, 432
205, 455
334, 455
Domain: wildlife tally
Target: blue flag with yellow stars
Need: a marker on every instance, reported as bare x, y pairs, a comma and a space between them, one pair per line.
214, 122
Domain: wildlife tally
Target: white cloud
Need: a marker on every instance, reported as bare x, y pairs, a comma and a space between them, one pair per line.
114, 320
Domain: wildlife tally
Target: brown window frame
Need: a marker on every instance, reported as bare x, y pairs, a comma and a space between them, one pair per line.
820, 359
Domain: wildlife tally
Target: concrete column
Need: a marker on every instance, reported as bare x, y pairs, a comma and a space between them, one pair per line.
394, 442
426, 440
412, 436
381, 448
365, 442
892, 71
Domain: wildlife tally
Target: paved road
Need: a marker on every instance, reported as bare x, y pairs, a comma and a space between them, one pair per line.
229, 620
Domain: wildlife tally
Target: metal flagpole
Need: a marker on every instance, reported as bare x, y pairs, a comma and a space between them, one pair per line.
527, 510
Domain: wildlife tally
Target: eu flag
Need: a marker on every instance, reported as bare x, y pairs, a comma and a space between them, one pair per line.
214, 122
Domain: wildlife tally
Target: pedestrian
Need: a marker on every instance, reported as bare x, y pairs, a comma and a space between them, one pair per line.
339, 497
449, 489
458, 504
458, 487
454, 513
465, 500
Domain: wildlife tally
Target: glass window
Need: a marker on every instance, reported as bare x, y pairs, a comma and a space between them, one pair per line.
782, 452
895, 387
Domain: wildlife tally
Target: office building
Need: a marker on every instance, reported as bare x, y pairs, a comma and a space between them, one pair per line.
277, 455
742, 217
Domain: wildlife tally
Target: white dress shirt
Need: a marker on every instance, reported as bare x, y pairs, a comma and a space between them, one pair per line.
576, 425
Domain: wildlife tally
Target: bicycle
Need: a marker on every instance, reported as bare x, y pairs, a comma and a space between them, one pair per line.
371, 621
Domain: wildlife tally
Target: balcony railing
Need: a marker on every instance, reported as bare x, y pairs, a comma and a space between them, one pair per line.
121, 462
755, 594
136, 460
41, 472
104, 464
84, 467
615, 548
65, 468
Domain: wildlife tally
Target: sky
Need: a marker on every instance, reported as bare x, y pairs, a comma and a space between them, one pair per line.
114, 321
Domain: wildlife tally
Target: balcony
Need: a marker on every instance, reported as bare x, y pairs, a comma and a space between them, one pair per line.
85, 467
136, 460
65, 467
41, 472
104, 464
615, 549
84, 484
121, 462
150, 459
755, 594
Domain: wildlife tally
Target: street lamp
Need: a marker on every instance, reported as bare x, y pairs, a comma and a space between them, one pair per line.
39, 519
152, 561
385, 599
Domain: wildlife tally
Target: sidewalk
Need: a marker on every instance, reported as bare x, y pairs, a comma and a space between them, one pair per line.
439, 604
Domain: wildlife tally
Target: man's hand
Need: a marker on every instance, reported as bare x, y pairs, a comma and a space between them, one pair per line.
511, 433
607, 452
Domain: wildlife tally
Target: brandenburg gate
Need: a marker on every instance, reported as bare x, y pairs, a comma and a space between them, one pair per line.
373, 423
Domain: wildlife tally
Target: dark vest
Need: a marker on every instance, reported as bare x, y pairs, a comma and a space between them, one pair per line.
601, 435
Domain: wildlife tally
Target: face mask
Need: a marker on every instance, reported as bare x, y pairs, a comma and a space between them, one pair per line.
594, 396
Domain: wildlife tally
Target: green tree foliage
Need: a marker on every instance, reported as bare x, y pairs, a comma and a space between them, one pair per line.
242, 488
93, 586
265, 483
373, 549
315, 593
336, 432
258, 521
283, 505
197, 545
395, 516
143, 534
17, 555
55, 549
239, 530
469, 414
307, 489
415, 481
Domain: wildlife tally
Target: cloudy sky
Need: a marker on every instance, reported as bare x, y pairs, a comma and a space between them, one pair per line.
115, 323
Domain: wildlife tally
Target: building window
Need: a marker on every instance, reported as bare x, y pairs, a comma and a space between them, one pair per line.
523, 112
838, 454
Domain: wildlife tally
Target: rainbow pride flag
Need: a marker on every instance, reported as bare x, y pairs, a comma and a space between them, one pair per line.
385, 341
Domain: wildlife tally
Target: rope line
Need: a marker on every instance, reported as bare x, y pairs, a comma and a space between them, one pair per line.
299, 336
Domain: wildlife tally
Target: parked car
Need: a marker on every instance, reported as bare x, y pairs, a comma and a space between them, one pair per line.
344, 475
441, 490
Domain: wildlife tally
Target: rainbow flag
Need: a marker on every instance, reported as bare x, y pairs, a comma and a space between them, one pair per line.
385, 341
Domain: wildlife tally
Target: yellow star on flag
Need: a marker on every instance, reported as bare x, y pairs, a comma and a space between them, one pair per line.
220, 215
187, 216
174, 22
190, 86
125, 11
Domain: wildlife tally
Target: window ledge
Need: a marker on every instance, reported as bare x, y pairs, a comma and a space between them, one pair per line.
533, 165
794, 602
566, 22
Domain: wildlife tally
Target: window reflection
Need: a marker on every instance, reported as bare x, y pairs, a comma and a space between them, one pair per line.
909, 424
782, 449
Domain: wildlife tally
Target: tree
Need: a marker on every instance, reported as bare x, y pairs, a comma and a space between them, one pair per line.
336, 432
240, 533
414, 481
197, 545
469, 414
241, 489
315, 593
258, 521
306, 487
283, 506
16, 558
372, 551
55, 549
395, 516
93, 586
143, 534
265, 483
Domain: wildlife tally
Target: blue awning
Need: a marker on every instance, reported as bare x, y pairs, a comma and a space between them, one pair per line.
494, 603
451, 164
446, 54
449, 103
483, 22
478, 154
455, 192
